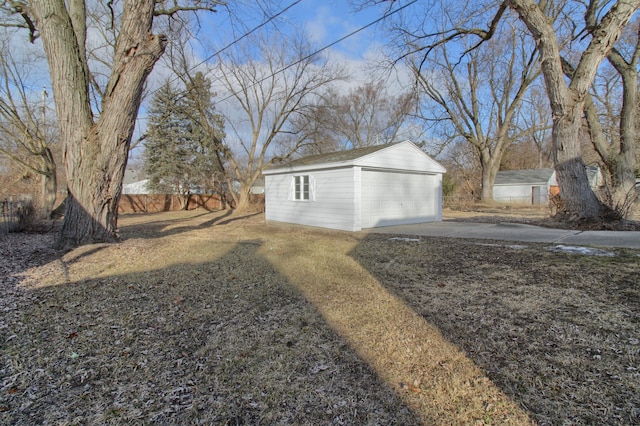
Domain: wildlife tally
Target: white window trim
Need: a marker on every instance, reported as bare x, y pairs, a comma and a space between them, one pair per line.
298, 195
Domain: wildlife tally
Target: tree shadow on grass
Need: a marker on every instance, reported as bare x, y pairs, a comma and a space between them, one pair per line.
195, 342
558, 333
166, 224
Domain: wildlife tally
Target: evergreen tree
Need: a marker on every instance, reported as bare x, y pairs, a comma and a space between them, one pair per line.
181, 149
206, 134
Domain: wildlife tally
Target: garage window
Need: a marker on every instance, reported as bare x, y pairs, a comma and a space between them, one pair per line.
301, 188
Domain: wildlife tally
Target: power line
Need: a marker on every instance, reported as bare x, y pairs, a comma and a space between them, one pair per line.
322, 49
235, 41
269, 19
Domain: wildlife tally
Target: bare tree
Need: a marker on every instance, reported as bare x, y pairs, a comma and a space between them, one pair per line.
478, 97
366, 115
96, 148
567, 100
271, 81
605, 21
23, 124
612, 113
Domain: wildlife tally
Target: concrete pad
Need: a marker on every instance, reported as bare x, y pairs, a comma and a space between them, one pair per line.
628, 239
521, 232
515, 232
432, 229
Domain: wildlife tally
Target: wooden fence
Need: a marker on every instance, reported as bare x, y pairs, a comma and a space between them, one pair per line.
154, 203
14, 214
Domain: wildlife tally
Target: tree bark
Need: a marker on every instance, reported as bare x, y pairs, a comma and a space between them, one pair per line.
579, 200
243, 202
95, 152
490, 165
49, 191
625, 179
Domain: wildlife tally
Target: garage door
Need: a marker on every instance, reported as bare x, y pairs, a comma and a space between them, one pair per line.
391, 198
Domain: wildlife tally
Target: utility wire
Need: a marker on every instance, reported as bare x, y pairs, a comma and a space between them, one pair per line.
247, 34
322, 49
235, 41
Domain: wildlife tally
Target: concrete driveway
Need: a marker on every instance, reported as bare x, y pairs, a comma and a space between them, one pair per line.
516, 232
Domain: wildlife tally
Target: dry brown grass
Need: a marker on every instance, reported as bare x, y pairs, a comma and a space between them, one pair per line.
211, 318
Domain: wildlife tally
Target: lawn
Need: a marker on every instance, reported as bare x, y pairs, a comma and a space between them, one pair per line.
214, 318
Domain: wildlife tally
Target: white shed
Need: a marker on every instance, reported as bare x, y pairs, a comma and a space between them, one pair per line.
351, 190
533, 186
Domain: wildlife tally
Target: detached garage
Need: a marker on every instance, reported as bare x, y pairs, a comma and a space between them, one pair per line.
533, 186
351, 190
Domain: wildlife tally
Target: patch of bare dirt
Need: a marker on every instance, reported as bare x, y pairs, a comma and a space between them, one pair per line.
216, 318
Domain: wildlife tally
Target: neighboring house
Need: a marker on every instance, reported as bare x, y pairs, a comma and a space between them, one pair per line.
535, 186
136, 188
258, 186
351, 190
525, 186
134, 182
594, 176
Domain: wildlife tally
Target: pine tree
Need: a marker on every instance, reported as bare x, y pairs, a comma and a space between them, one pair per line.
181, 149
206, 134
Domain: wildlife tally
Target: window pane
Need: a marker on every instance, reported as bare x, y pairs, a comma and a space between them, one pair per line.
296, 195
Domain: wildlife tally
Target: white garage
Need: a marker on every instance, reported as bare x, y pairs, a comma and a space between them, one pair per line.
353, 190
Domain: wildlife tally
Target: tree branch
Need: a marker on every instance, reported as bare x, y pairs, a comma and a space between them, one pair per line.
20, 8
209, 6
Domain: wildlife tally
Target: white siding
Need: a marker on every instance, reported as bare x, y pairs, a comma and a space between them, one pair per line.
404, 156
333, 207
393, 198
520, 194
395, 185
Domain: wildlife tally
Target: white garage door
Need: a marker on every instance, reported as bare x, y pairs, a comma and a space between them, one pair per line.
390, 198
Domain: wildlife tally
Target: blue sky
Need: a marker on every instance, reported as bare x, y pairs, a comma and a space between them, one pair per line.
328, 21
324, 21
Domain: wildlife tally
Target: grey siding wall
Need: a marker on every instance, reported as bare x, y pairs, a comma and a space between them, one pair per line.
520, 194
332, 203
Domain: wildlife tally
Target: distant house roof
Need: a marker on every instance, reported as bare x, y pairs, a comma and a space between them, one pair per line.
524, 177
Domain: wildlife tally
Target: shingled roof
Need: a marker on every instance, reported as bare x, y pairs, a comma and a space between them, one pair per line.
332, 157
524, 177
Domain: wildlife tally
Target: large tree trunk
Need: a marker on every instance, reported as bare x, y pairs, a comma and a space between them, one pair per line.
243, 199
490, 165
567, 102
626, 164
576, 193
95, 153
